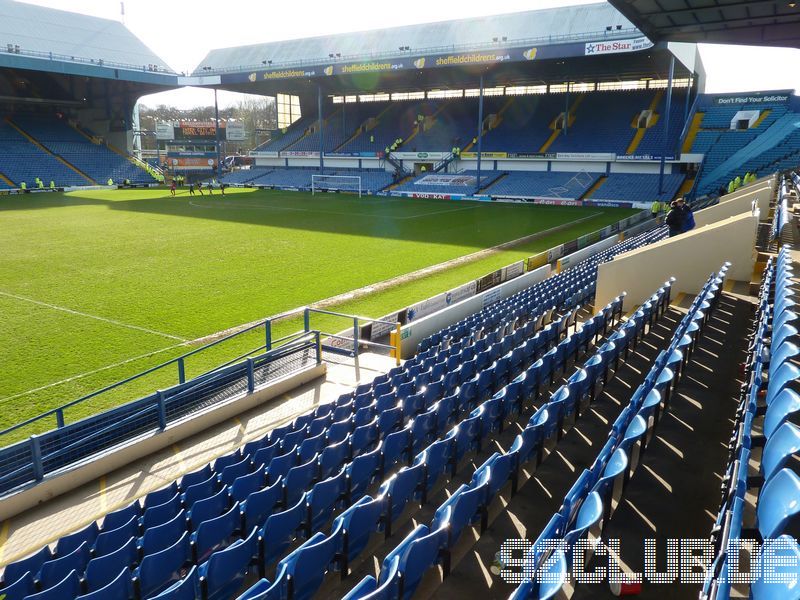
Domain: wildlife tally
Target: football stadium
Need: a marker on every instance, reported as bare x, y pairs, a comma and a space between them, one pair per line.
495, 307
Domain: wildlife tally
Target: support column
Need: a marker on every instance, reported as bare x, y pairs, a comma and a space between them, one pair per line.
666, 125
319, 126
216, 135
480, 134
566, 111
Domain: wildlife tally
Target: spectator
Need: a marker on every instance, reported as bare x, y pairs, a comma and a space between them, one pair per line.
688, 215
674, 220
731, 187
52, 185
110, 181
722, 191
655, 209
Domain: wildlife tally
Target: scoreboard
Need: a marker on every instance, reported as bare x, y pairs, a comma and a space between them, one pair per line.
200, 131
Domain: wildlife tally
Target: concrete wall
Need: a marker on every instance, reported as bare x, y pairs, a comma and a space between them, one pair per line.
724, 210
413, 333
70, 479
690, 258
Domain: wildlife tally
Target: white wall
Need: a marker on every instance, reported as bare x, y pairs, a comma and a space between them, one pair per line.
690, 258
649, 168
413, 333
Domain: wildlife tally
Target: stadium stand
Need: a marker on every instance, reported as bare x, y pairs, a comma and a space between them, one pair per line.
23, 161
460, 183
633, 187
240, 515
299, 178
542, 184
95, 160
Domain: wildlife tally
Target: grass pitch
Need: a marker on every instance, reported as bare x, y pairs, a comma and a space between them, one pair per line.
98, 285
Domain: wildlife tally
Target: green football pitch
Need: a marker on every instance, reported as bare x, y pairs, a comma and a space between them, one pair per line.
98, 285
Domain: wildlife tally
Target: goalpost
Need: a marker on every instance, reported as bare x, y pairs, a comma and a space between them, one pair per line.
339, 183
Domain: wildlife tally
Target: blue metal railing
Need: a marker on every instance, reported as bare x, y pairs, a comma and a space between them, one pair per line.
179, 361
29, 461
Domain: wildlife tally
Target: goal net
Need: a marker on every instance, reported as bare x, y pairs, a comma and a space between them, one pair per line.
575, 187
336, 183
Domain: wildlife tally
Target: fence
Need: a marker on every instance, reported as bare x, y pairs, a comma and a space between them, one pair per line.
30, 460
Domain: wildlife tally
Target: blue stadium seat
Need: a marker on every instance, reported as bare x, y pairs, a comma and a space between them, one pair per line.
66, 589
225, 571
100, 570
159, 571
298, 479
208, 508
247, 484
280, 530
778, 504
119, 588
261, 504
358, 523
158, 513
215, 534
187, 588
307, 565
156, 539
32, 564
19, 589
263, 589
324, 497
53, 571
780, 447
68, 543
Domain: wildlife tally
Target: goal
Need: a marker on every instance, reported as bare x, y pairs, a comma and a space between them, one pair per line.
337, 183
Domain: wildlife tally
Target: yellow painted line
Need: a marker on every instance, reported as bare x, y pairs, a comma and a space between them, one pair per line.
4, 537
678, 299
241, 426
176, 449
103, 502
728, 285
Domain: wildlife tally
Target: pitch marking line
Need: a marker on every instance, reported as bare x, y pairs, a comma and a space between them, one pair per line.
96, 317
331, 212
87, 373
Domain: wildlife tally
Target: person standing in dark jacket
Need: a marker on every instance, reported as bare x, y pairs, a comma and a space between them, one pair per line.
675, 219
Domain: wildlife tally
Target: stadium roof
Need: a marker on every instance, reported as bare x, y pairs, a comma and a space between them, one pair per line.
45, 39
755, 23
540, 27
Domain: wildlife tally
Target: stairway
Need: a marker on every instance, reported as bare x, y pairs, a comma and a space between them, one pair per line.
688, 142
640, 131
590, 192
570, 120
7, 181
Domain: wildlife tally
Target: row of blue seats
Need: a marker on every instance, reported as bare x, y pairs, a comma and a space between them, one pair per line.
203, 487
302, 571
598, 489
583, 274
781, 217
768, 397
404, 567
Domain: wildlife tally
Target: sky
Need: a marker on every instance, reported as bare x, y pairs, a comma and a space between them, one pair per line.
182, 32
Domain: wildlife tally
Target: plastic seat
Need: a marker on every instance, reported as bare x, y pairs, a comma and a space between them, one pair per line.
280, 529
399, 490
119, 588
159, 571
215, 534
263, 589
155, 515
265, 454
246, 484
778, 504
458, 512
362, 439
19, 589
156, 539
333, 457
209, 508
160, 496
53, 571
416, 553
362, 471
100, 570
118, 518
368, 588
200, 491
609, 485
311, 447
72, 541
299, 479
497, 468
435, 459
231, 472
358, 523
784, 375
339, 431
784, 404
195, 477
395, 448
14, 571
324, 497
225, 570
307, 565
279, 466
66, 589
783, 554
780, 447
261, 504
467, 436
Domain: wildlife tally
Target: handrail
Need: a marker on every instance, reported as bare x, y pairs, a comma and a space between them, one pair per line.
179, 360
357, 341
100, 62
144, 407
